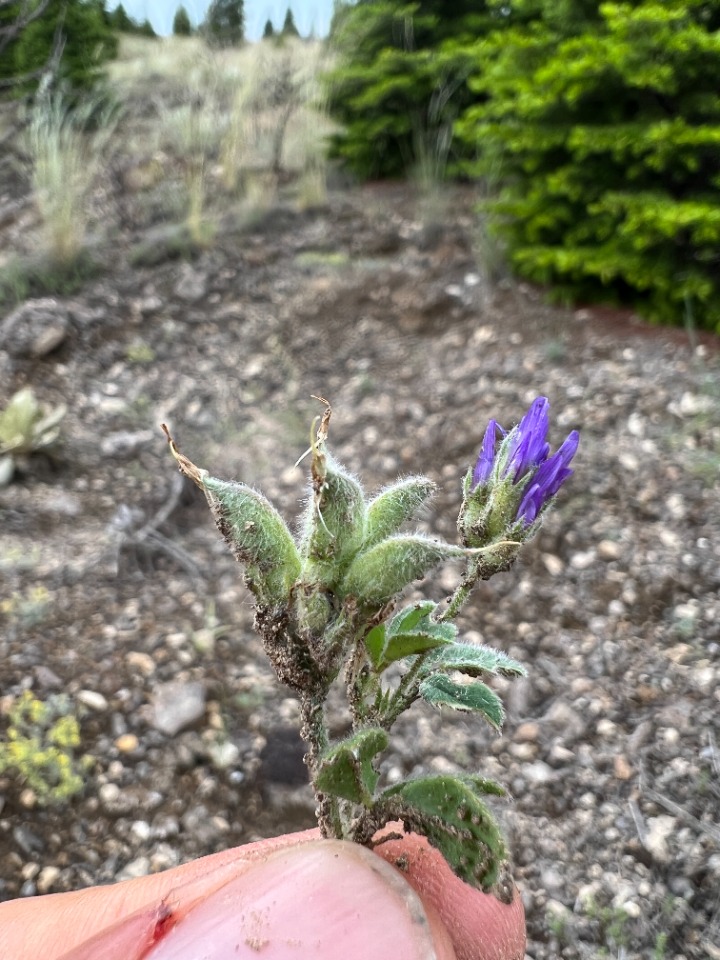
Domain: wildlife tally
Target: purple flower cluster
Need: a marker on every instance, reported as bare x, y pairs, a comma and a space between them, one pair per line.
523, 456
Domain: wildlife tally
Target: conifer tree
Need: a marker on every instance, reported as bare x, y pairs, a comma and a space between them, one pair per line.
181, 23
77, 29
604, 120
120, 21
269, 31
225, 23
289, 29
401, 79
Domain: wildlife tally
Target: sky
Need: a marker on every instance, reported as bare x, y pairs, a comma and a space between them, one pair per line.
310, 15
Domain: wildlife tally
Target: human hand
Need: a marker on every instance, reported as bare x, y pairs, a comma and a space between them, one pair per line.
292, 896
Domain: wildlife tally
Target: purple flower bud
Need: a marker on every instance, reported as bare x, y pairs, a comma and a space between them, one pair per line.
528, 447
522, 457
486, 459
547, 480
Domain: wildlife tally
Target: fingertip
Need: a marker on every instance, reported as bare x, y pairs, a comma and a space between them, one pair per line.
480, 925
320, 901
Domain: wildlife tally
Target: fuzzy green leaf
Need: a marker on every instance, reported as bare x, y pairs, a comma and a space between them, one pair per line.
473, 660
346, 769
441, 691
409, 633
378, 574
449, 812
395, 505
411, 616
334, 523
258, 536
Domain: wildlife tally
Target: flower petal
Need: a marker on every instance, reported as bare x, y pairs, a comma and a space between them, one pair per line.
484, 465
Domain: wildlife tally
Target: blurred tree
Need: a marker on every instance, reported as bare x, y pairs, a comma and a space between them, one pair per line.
401, 80
269, 31
604, 121
120, 21
224, 25
181, 23
288, 28
59, 41
146, 29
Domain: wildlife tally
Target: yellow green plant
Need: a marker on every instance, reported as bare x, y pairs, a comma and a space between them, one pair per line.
42, 740
26, 427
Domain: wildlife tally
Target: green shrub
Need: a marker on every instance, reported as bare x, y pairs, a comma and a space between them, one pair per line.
41, 747
605, 118
401, 80
88, 42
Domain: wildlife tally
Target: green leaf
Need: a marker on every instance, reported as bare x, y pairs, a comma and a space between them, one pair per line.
473, 660
449, 812
257, 535
334, 522
441, 691
378, 574
346, 769
394, 505
411, 616
409, 633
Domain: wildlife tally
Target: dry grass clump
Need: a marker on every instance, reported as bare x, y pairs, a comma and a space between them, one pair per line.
65, 154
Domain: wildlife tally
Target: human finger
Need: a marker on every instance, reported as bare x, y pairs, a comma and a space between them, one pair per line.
481, 926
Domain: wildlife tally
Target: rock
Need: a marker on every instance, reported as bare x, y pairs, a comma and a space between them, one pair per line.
141, 661
140, 867
609, 550
538, 772
566, 722
655, 840
141, 830
527, 733
127, 743
46, 678
28, 841
192, 285
126, 443
35, 329
93, 700
224, 755
47, 878
553, 564
621, 767
559, 756
583, 559
177, 706
108, 793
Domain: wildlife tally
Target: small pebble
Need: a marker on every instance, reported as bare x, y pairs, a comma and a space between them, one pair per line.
127, 743
621, 768
93, 700
47, 878
527, 732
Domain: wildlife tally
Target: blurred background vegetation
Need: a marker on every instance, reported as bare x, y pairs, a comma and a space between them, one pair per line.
592, 129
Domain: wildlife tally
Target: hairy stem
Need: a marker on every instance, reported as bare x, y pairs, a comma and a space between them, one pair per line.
315, 733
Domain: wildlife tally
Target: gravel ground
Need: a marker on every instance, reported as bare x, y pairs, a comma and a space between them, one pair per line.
118, 592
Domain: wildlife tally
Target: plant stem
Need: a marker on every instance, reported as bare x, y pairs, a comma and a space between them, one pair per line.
461, 594
403, 696
314, 732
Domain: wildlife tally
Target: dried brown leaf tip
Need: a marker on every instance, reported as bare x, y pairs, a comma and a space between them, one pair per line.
187, 467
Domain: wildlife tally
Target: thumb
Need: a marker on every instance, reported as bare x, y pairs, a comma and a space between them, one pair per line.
316, 900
